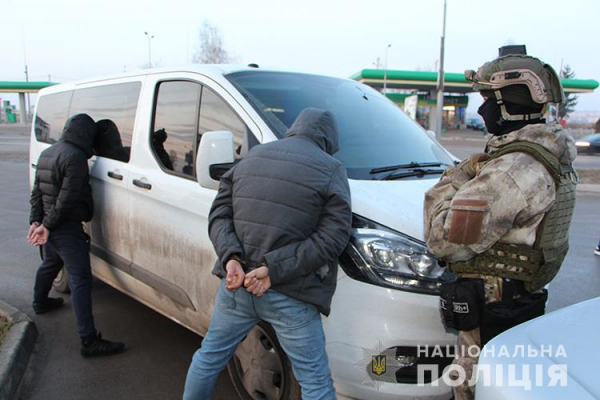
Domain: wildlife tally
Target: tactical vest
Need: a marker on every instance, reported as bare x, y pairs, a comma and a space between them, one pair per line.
536, 266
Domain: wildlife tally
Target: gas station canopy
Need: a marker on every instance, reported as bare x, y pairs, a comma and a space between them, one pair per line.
23, 87
453, 82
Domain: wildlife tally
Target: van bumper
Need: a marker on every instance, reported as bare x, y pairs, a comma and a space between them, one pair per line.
367, 319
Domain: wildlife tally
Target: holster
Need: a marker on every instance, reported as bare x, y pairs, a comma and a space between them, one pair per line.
461, 303
500, 316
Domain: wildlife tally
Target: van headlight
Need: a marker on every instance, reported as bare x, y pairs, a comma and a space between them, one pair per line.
380, 256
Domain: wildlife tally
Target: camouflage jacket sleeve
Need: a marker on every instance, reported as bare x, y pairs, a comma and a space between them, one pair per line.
504, 202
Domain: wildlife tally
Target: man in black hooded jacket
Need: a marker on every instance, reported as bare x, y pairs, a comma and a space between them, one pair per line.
60, 201
280, 220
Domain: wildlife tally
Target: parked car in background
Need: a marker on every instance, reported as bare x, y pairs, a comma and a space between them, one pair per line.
589, 144
551, 357
475, 124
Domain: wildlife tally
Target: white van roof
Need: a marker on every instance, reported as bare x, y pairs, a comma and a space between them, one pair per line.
206, 69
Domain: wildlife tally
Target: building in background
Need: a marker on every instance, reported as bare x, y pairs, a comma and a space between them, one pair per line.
9, 114
455, 108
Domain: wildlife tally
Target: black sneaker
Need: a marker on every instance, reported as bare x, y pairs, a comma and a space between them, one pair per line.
52, 303
597, 251
101, 347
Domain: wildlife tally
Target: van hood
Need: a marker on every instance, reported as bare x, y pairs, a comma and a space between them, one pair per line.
396, 204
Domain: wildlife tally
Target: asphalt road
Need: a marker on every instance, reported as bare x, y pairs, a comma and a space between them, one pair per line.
159, 350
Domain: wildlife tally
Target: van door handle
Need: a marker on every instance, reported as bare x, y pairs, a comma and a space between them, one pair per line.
34, 166
141, 184
114, 175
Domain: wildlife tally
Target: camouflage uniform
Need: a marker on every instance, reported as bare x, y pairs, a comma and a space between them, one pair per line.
502, 200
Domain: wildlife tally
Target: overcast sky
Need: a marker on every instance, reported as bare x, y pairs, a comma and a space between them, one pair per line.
71, 40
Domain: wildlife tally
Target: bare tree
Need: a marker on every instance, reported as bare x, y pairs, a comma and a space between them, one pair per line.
568, 105
570, 101
211, 49
146, 65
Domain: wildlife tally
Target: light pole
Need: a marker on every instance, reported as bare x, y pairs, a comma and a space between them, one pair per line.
150, 37
25, 106
385, 70
440, 83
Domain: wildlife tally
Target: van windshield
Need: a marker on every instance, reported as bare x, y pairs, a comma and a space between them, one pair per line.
373, 132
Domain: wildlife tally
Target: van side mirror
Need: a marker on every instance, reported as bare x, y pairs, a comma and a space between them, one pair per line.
214, 157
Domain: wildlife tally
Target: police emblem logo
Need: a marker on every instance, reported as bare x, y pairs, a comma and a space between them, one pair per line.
378, 364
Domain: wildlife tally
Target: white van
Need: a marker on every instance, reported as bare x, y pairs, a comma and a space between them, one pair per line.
172, 132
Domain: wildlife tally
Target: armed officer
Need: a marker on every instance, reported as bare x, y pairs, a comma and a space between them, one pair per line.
500, 219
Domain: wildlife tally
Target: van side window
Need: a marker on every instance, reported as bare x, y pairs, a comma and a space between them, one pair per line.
51, 116
113, 107
175, 125
215, 115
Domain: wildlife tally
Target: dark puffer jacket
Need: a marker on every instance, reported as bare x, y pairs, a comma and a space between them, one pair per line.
287, 204
62, 190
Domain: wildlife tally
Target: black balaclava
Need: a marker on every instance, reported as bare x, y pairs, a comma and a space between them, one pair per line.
492, 116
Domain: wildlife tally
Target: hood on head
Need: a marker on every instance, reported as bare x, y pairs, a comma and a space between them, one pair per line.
551, 136
159, 137
107, 137
80, 130
317, 125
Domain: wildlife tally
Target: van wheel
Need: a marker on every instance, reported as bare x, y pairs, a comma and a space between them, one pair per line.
260, 370
61, 282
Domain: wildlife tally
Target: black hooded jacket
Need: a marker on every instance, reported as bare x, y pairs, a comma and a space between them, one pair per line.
62, 190
287, 204
108, 141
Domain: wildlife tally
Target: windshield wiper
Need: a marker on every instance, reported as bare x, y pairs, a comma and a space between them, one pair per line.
420, 172
412, 164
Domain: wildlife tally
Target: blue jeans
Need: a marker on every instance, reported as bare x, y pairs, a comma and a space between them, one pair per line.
69, 246
299, 330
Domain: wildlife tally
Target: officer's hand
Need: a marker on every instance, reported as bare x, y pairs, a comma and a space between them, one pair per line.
472, 165
477, 158
257, 281
32, 228
235, 275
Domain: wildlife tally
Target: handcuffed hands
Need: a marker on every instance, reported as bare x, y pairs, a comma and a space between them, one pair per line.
257, 281
32, 228
235, 275
38, 234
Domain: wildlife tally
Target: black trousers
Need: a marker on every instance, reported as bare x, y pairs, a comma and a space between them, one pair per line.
69, 246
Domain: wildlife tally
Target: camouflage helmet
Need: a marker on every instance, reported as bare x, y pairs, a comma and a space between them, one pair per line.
540, 79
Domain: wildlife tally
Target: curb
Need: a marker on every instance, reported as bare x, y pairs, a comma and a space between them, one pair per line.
15, 350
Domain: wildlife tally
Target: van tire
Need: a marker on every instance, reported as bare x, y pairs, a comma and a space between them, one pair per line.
259, 347
61, 282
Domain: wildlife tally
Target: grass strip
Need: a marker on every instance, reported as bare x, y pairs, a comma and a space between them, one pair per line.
4, 327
